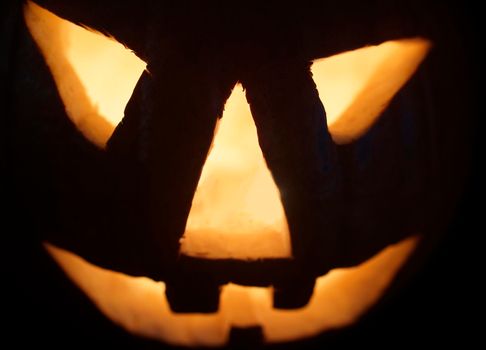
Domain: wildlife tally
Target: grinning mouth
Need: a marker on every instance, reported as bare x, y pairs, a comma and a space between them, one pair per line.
139, 304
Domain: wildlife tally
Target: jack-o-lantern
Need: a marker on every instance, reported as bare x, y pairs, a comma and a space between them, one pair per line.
288, 223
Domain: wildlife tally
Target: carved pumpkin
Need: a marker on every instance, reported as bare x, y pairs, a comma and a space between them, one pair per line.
259, 254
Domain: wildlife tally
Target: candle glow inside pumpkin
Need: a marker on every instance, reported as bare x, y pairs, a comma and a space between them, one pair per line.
236, 211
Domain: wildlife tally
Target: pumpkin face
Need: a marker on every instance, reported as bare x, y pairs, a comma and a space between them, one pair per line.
238, 226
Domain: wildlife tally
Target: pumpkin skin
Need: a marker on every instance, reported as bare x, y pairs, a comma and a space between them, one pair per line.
88, 157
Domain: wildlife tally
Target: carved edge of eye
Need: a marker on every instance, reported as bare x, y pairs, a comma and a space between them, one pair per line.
95, 75
357, 86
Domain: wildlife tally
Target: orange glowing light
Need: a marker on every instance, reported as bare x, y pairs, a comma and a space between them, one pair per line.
95, 75
236, 211
356, 86
139, 305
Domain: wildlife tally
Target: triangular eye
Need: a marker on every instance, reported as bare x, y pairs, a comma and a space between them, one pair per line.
356, 86
95, 75
236, 211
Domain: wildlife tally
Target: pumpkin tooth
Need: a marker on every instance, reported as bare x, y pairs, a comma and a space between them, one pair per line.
293, 293
193, 294
246, 337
